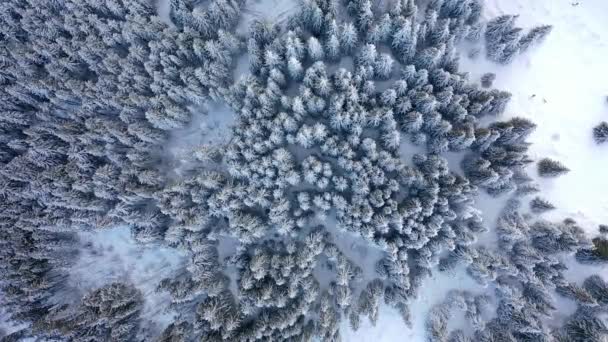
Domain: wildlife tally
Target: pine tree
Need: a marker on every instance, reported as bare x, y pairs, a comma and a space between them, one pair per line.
315, 49
551, 168
535, 36
348, 37
598, 288
384, 66
539, 205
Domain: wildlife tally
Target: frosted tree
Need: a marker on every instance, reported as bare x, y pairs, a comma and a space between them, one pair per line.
584, 325
384, 66
109, 313
535, 36
496, 31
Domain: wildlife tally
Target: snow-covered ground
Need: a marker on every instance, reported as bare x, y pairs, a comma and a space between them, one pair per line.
164, 10
209, 126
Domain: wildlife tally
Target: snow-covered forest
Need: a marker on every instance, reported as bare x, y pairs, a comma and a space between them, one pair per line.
303, 170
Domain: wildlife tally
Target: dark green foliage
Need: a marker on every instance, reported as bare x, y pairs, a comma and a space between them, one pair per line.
504, 41
534, 37
601, 246
458, 336
576, 293
175, 332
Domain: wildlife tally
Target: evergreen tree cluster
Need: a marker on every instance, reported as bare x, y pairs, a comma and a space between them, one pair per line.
504, 41
91, 91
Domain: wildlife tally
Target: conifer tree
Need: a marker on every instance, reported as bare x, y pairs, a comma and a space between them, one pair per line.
600, 133
551, 168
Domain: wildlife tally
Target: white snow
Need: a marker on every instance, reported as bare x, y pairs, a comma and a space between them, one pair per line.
164, 9
407, 149
561, 85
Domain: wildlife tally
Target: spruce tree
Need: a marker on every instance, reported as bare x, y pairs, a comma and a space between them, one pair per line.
550, 168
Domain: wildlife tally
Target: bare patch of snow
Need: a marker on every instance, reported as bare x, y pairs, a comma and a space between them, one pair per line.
242, 67
210, 126
407, 149
355, 248
274, 11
